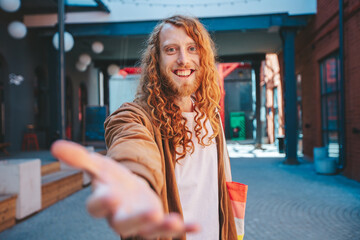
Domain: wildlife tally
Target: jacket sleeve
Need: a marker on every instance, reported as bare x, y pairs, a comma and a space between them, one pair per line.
130, 140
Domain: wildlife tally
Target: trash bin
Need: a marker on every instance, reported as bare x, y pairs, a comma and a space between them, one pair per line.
237, 126
323, 163
281, 144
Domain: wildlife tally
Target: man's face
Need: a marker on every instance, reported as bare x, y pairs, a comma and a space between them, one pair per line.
179, 60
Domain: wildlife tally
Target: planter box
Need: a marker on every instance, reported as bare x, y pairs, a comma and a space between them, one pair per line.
326, 166
323, 163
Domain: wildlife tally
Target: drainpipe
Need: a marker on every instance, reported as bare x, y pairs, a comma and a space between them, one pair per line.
342, 145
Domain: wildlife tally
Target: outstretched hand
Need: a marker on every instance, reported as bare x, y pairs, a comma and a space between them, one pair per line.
127, 201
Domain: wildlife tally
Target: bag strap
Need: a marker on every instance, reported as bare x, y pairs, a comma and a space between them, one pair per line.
226, 158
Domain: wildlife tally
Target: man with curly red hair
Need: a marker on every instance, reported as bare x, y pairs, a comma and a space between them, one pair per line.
170, 183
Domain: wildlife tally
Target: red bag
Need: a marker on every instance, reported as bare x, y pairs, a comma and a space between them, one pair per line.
238, 193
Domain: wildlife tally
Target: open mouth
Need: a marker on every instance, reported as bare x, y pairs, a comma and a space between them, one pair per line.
183, 72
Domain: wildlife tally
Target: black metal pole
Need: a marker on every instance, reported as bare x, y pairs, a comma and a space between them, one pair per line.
258, 140
102, 6
342, 156
61, 11
291, 126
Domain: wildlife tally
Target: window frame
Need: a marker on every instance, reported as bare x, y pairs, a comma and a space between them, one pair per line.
325, 94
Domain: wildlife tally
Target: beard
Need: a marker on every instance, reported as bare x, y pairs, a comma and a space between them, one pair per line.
172, 89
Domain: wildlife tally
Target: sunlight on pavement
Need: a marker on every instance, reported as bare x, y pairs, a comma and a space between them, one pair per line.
237, 150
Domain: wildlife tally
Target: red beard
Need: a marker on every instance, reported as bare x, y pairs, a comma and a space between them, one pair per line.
170, 87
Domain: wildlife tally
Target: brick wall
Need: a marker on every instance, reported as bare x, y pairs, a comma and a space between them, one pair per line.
352, 87
271, 76
317, 41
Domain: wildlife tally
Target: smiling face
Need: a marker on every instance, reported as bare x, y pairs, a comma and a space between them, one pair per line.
179, 60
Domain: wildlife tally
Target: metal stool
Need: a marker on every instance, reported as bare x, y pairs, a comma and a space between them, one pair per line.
30, 140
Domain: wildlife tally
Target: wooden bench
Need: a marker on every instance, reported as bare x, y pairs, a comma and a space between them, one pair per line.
50, 168
58, 185
7, 211
26, 187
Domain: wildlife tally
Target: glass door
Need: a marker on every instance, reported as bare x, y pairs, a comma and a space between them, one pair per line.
330, 99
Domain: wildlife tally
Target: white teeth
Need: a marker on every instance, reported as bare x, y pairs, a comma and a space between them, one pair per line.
183, 72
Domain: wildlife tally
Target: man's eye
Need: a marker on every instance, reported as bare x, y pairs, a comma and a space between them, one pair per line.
170, 50
192, 49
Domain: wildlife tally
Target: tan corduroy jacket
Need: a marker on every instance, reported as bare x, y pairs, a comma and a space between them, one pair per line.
133, 140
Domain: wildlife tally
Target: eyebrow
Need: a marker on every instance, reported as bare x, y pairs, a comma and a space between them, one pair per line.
175, 44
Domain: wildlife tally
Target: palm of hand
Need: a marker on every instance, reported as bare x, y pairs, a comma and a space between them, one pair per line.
124, 199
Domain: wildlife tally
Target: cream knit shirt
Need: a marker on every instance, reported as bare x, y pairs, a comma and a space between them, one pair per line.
197, 181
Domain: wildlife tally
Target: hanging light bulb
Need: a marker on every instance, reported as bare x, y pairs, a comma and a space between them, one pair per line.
10, 5
68, 41
85, 59
113, 69
81, 67
17, 29
97, 47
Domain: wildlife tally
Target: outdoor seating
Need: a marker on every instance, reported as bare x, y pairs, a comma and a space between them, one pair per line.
27, 187
22, 177
7, 210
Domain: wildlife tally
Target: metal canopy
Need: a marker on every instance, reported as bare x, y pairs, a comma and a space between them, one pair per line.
241, 23
51, 6
233, 35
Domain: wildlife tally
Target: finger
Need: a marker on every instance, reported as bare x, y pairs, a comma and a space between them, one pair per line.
101, 203
192, 228
74, 155
99, 166
128, 225
109, 169
172, 226
96, 205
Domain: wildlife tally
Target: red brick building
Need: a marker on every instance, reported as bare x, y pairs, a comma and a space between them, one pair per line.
270, 77
318, 65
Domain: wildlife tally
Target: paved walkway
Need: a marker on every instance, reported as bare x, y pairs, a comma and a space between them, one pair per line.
284, 203
294, 203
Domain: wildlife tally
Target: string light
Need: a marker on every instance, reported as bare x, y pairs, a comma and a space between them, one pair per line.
153, 3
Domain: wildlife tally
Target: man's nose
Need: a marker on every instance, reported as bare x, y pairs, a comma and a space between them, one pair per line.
182, 58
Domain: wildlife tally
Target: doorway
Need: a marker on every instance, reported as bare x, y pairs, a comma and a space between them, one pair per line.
239, 99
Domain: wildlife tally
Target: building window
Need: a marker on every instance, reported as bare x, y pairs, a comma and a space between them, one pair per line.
330, 102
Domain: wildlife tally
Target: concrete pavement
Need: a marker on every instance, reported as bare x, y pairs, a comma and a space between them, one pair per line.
293, 202
284, 203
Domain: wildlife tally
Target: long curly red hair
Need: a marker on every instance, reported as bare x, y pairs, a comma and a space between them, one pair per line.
153, 89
